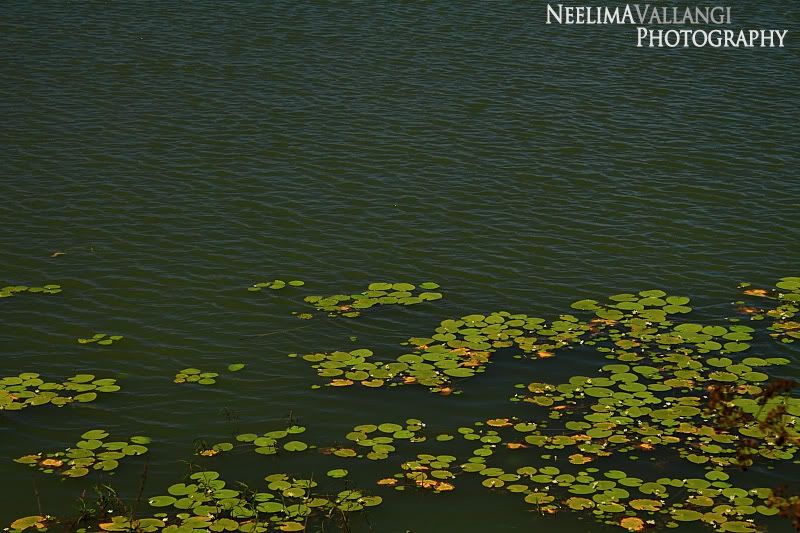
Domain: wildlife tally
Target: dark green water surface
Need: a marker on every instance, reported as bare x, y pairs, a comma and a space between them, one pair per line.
178, 153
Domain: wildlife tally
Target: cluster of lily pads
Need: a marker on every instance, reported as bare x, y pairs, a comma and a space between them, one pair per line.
785, 324
458, 349
347, 368
29, 390
652, 397
432, 365
90, 453
627, 326
378, 440
633, 503
195, 375
268, 443
461, 348
426, 471
275, 284
377, 294
644, 407
205, 503
612, 495
655, 395
649, 399
265, 444
375, 442
101, 338
12, 290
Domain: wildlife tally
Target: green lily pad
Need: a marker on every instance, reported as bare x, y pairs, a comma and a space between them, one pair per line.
295, 446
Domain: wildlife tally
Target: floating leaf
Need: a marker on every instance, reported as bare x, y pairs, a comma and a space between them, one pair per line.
162, 501
22, 524
295, 446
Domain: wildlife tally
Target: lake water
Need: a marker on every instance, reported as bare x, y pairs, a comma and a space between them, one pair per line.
178, 154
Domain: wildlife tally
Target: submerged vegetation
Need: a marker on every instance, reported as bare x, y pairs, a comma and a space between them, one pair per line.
668, 390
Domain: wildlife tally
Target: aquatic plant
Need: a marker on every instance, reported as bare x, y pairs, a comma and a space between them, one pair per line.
346, 368
731, 410
376, 442
13, 290
668, 390
656, 394
377, 294
27, 522
426, 471
195, 375
205, 450
268, 443
205, 503
275, 284
787, 504
90, 453
781, 306
287, 504
29, 390
627, 326
101, 338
